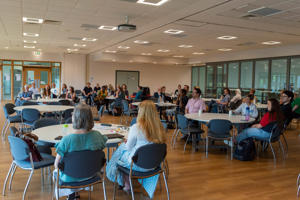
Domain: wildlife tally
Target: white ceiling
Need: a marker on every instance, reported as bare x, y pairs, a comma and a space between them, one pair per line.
202, 22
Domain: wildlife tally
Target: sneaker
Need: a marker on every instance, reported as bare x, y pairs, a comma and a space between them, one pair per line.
229, 143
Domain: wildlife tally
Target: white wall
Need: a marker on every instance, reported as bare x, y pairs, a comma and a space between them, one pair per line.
151, 75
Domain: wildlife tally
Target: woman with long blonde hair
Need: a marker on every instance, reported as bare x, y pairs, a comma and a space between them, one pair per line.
147, 130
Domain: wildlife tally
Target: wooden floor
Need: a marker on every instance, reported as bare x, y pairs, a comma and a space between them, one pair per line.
192, 175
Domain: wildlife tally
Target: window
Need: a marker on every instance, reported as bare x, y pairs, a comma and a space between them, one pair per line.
233, 75
194, 77
6, 82
31, 63
246, 74
17, 80
56, 76
201, 80
210, 77
295, 75
278, 74
261, 74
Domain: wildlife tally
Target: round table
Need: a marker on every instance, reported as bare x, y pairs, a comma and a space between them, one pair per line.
206, 117
45, 108
261, 106
158, 104
45, 100
49, 133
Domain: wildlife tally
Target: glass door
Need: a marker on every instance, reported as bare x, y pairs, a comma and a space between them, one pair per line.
39, 76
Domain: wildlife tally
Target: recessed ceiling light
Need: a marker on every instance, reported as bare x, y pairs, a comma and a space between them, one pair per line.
33, 20
159, 3
113, 60
154, 63
31, 34
178, 56
89, 39
6, 47
163, 50
227, 37
72, 50
29, 47
109, 51
173, 31
271, 42
141, 42
223, 49
28, 41
108, 28
130, 61
123, 47
146, 54
79, 45
198, 53
185, 46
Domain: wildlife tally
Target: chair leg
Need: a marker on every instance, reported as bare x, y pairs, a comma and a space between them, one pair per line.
173, 135
90, 193
6, 129
186, 142
286, 144
104, 189
12, 176
114, 193
3, 128
174, 142
274, 155
298, 188
7, 176
166, 184
131, 188
231, 148
298, 180
27, 184
206, 147
282, 149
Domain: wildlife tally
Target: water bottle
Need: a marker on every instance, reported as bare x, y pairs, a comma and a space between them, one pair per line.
200, 112
65, 129
247, 117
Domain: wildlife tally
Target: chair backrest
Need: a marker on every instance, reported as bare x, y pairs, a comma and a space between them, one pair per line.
54, 103
13, 131
83, 164
276, 132
78, 92
8, 109
150, 156
69, 120
219, 127
45, 122
125, 106
64, 102
68, 113
30, 115
182, 122
18, 148
29, 103
133, 121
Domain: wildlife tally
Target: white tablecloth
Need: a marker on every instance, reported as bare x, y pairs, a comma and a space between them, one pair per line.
206, 117
45, 108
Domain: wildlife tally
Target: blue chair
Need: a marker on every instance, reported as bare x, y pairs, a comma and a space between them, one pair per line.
29, 103
65, 102
219, 129
13, 131
22, 158
100, 113
133, 121
67, 114
29, 116
150, 156
126, 111
9, 117
82, 164
185, 128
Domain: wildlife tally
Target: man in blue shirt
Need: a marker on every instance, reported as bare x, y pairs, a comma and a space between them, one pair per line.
26, 94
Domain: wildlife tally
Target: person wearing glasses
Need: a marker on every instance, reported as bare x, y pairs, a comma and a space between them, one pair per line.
286, 98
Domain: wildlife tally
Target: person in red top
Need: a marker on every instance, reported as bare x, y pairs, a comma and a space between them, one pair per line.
263, 129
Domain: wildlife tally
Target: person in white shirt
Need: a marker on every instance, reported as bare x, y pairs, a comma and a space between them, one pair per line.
243, 107
237, 96
34, 89
54, 91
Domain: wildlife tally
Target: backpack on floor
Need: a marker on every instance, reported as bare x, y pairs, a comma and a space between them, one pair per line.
245, 150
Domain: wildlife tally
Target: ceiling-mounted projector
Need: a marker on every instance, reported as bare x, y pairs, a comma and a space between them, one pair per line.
126, 27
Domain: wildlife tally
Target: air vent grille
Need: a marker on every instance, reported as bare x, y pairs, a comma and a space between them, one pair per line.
264, 11
52, 22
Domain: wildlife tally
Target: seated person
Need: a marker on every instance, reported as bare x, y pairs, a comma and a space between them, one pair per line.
110, 90
97, 88
34, 89
195, 103
147, 130
252, 92
235, 101
64, 89
71, 95
161, 95
286, 98
87, 93
81, 139
124, 88
188, 92
46, 92
54, 91
139, 93
223, 102
145, 94
242, 109
100, 98
120, 95
26, 94
264, 128
177, 91
296, 107
181, 103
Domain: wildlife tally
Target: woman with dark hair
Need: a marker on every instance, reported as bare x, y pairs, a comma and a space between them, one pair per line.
124, 88
120, 95
263, 129
145, 94
71, 95
46, 92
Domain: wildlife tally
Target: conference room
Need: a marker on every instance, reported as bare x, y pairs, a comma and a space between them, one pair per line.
149, 99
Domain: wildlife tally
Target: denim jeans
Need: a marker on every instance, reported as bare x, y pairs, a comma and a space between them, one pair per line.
253, 132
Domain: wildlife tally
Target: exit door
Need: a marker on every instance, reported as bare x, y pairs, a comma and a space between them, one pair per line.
40, 76
130, 78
